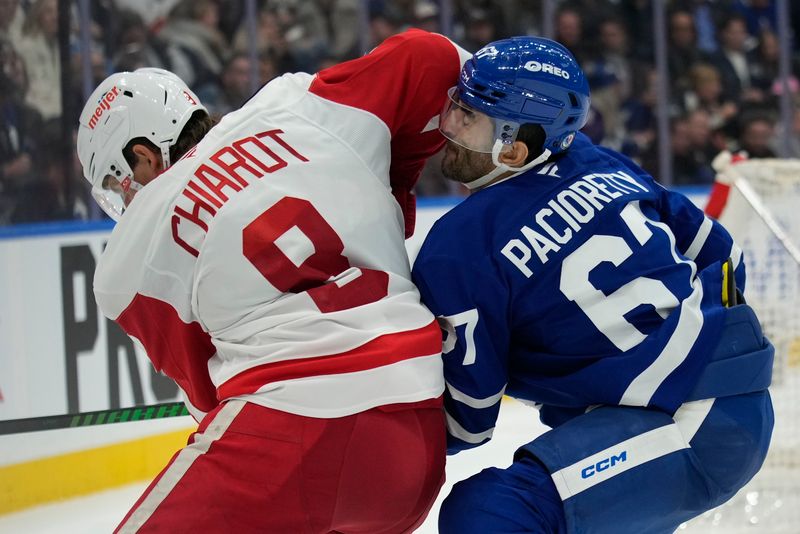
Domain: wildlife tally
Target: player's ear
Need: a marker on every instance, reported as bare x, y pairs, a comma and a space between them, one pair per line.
147, 156
516, 155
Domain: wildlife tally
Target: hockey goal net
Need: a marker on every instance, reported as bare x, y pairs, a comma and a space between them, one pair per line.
758, 201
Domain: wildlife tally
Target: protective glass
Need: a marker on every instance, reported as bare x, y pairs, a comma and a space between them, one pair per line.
472, 129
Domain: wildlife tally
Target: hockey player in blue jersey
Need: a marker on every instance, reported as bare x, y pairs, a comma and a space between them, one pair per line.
571, 280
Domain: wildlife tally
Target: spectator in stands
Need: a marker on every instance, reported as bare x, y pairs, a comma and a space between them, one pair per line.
50, 197
706, 14
154, 13
268, 67
595, 128
688, 165
234, 88
638, 18
426, 16
766, 69
12, 19
134, 45
385, 21
615, 48
270, 40
609, 37
39, 50
341, 20
192, 29
682, 53
481, 26
701, 139
98, 63
706, 92
735, 60
231, 13
639, 114
609, 76
569, 32
791, 142
19, 127
756, 133
759, 15
305, 30
520, 17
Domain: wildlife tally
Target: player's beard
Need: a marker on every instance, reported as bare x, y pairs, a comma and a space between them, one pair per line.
464, 165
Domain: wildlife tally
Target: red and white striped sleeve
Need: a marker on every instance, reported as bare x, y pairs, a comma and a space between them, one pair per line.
404, 82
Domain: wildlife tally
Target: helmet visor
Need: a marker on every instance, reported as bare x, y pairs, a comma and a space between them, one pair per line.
472, 129
111, 195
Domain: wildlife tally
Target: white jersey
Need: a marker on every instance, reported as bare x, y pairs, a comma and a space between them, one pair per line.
269, 263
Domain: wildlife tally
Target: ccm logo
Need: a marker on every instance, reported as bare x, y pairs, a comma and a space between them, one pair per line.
102, 105
535, 66
604, 464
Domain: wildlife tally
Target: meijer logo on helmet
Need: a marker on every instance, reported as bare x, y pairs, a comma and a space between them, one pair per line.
535, 66
104, 104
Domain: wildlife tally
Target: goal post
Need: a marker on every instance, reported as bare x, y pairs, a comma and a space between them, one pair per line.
758, 201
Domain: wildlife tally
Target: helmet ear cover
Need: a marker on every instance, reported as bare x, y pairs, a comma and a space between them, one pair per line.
149, 103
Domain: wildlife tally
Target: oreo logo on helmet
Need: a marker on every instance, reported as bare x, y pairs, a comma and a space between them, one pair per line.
535, 66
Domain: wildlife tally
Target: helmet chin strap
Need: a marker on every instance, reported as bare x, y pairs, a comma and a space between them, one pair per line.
501, 168
165, 162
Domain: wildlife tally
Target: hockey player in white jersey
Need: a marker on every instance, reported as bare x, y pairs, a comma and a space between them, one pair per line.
261, 264
571, 280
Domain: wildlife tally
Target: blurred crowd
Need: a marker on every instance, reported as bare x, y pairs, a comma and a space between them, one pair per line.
723, 72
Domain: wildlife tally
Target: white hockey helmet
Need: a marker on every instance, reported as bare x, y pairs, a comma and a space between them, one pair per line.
150, 103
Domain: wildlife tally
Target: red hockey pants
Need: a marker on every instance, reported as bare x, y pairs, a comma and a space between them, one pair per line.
254, 469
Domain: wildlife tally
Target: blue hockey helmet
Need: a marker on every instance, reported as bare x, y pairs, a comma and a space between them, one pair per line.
517, 81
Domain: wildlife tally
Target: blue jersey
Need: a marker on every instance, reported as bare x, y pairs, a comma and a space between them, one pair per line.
580, 282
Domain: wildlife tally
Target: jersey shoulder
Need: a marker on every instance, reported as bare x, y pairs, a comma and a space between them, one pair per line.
469, 226
403, 79
141, 233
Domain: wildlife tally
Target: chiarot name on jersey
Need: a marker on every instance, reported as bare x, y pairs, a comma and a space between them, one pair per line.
103, 104
226, 172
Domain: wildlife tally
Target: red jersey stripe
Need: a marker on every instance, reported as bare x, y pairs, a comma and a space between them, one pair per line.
173, 346
381, 351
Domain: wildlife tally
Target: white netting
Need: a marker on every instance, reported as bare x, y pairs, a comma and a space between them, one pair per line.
771, 502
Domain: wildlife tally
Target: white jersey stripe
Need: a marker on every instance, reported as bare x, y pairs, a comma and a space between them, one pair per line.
699, 239
691, 415
412, 380
473, 402
736, 255
458, 431
181, 465
612, 461
690, 323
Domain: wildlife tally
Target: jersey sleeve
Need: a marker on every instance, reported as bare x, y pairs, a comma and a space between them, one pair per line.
404, 82
181, 350
697, 236
471, 309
